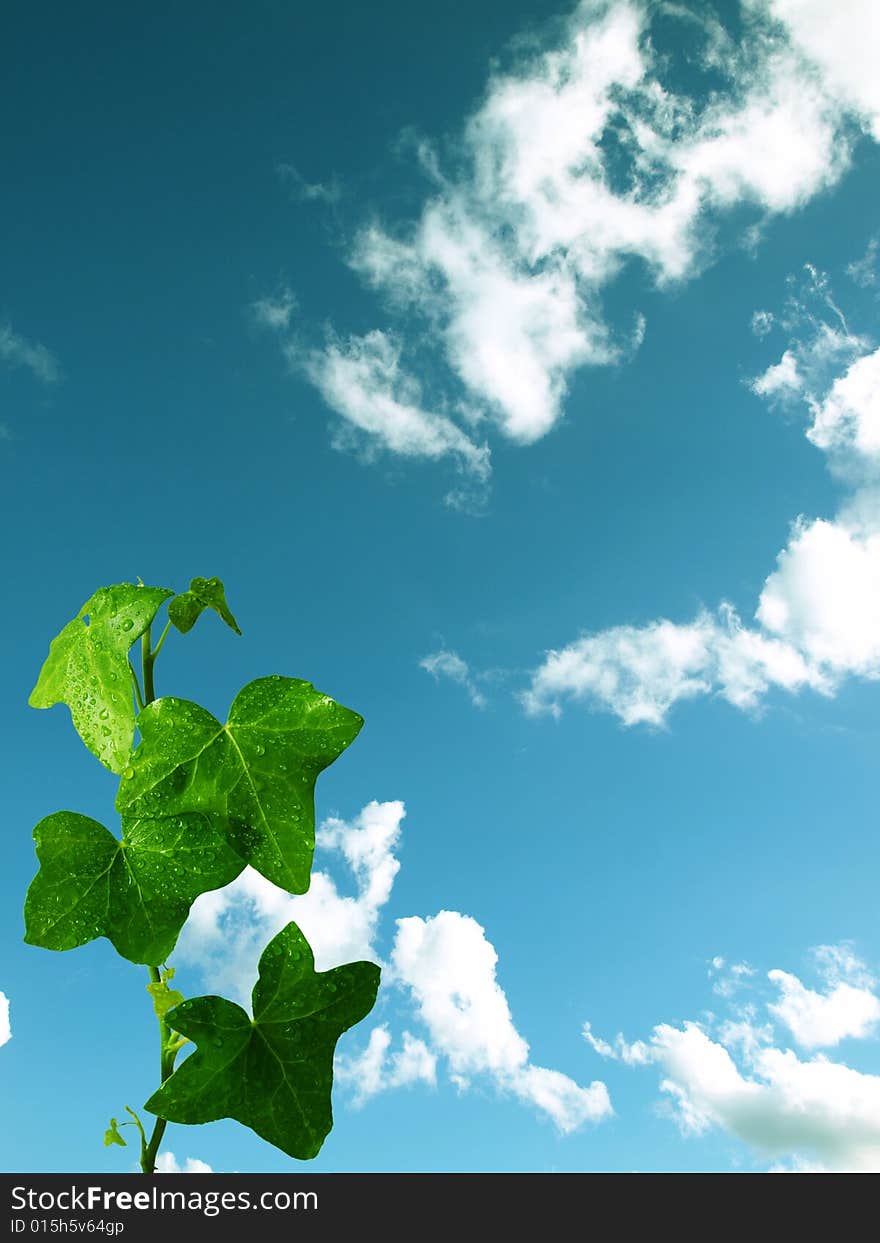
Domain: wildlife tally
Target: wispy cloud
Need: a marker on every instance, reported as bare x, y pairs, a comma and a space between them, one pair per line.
376, 1069
734, 1075
364, 380
329, 192
864, 269
274, 312
448, 664
441, 972
17, 351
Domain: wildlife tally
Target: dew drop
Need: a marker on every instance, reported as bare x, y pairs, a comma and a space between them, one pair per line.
128, 773
127, 624
103, 714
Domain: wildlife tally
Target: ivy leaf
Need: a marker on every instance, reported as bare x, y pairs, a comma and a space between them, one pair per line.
164, 998
87, 668
273, 1073
204, 593
258, 771
112, 1136
136, 892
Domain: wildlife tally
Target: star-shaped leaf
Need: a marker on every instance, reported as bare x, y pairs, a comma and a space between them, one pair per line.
258, 771
136, 892
87, 668
273, 1073
204, 593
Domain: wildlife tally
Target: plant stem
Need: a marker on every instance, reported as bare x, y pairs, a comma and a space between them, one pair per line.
158, 648
137, 687
147, 658
150, 1151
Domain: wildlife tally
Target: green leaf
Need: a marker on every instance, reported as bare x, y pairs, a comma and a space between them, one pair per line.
204, 593
258, 771
164, 998
112, 1136
87, 668
273, 1073
136, 892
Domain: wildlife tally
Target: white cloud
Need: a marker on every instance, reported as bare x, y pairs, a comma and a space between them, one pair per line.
636, 1053
5, 1027
449, 966
167, 1163
781, 1106
579, 159
762, 323
522, 246
817, 619
448, 664
444, 967
16, 351
819, 1020
848, 419
362, 379
824, 598
228, 929
844, 44
640, 672
782, 379
864, 269
735, 1076
376, 1069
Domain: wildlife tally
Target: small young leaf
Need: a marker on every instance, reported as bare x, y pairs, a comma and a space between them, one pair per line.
112, 1136
204, 593
136, 892
273, 1074
164, 998
87, 668
258, 771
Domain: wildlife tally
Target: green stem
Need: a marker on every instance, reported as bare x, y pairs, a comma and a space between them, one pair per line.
150, 1150
147, 659
137, 1123
158, 648
137, 687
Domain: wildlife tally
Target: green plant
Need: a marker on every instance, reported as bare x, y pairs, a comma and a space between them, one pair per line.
198, 801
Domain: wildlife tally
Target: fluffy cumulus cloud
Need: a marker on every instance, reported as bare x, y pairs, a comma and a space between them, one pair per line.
817, 619
842, 44
167, 1163
17, 351
579, 159
228, 928
736, 1075
441, 972
449, 967
5, 1028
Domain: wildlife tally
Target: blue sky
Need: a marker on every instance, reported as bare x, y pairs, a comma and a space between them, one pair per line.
516, 368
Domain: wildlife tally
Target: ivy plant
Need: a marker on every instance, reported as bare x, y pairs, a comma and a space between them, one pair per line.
198, 801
